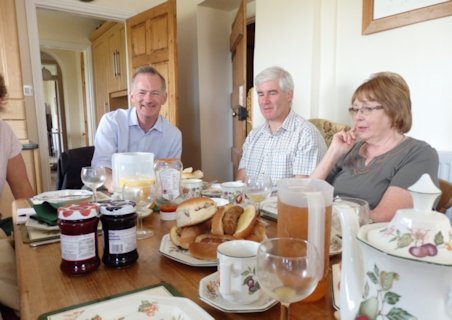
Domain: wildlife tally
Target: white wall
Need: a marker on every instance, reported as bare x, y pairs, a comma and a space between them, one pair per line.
214, 60
320, 43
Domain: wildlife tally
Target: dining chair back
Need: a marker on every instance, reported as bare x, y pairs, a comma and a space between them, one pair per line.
445, 200
328, 128
70, 164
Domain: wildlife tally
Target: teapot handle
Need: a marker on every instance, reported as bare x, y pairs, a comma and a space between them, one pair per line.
352, 270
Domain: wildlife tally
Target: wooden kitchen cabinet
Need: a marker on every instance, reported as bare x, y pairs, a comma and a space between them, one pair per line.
109, 65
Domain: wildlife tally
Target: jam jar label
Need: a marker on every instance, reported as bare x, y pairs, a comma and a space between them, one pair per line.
169, 180
78, 248
122, 241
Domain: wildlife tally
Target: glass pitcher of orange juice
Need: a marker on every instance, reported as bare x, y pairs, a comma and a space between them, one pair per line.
304, 211
134, 169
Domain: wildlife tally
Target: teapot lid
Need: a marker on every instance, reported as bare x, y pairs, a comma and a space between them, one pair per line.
417, 233
424, 193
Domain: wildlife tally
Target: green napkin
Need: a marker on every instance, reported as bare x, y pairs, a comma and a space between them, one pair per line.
46, 212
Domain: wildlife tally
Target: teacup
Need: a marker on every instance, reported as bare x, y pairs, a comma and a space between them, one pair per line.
233, 192
237, 267
192, 188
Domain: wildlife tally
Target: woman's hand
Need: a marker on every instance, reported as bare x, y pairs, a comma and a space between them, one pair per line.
343, 141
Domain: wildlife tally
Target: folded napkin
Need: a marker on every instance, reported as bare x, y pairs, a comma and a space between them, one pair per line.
46, 212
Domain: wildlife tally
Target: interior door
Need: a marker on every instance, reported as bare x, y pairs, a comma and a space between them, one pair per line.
151, 39
237, 45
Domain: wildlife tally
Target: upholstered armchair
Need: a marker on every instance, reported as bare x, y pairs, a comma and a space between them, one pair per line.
328, 128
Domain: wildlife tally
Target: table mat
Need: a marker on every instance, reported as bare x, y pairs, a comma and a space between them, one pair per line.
160, 289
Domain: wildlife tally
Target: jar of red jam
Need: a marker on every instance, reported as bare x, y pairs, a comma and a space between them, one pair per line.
78, 234
119, 232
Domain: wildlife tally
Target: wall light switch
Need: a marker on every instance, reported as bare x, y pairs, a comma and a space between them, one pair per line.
28, 91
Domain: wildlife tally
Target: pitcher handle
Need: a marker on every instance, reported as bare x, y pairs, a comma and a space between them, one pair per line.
316, 225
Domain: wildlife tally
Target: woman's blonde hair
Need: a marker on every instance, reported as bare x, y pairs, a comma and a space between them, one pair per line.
393, 93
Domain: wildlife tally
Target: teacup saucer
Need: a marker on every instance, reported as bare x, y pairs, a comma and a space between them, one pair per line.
208, 292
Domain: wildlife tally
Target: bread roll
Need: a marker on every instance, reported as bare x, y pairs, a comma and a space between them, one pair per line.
194, 211
246, 222
205, 246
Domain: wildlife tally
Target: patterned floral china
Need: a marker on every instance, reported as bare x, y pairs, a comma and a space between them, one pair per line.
401, 269
209, 293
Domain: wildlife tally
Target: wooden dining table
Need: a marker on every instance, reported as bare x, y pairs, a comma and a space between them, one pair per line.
44, 288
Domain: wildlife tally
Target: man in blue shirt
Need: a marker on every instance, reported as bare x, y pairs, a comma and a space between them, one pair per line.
140, 128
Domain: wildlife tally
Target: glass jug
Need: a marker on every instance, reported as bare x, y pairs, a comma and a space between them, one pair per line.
133, 169
305, 211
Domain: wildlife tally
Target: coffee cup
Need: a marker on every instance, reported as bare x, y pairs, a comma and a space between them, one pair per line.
233, 192
237, 267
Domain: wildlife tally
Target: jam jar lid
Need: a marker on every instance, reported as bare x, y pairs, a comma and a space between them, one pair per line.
117, 207
78, 211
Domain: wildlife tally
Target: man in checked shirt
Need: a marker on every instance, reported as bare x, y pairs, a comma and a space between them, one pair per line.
286, 145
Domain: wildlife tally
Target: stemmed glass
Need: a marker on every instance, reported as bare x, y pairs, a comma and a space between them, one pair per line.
93, 178
258, 188
287, 270
143, 195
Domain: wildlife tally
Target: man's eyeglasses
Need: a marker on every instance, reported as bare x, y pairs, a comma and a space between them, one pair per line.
364, 110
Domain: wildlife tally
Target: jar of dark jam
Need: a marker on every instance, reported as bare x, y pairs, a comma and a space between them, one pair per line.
119, 232
78, 234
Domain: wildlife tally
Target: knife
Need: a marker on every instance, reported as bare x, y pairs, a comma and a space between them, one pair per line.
41, 243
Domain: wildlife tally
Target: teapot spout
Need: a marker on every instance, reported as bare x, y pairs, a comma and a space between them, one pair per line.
352, 269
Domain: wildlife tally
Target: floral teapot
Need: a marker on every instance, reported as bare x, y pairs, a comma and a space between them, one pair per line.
401, 269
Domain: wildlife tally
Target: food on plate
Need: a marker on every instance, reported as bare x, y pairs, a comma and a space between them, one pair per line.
194, 211
188, 173
205, 246
201, 226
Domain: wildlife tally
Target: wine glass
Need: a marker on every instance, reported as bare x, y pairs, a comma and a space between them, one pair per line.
287, 270
93, 178
258, 188
143, 194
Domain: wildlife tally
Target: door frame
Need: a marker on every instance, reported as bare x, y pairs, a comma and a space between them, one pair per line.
35, 62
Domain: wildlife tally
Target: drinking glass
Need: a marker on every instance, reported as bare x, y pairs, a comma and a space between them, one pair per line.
258, 188
287, 270
143, 195
93, 178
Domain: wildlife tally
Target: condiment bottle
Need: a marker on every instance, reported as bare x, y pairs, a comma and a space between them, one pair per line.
168, 173
78, 234
119, 232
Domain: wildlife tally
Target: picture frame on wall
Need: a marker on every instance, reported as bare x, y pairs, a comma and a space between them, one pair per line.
381, 15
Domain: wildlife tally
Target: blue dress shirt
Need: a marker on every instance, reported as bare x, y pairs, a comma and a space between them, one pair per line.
119, 131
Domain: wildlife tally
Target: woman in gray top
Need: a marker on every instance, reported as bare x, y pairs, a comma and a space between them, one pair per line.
375, 160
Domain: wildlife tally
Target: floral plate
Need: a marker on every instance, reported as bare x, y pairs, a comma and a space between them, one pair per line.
208, 292
170, 250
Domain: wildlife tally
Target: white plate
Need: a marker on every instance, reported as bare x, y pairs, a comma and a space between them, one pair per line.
170, 250
136, 307
269, 208
62, 196
336, 275
208, 292
220, 202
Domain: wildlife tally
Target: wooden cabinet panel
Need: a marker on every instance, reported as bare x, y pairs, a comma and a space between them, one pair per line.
151, 37
109, 60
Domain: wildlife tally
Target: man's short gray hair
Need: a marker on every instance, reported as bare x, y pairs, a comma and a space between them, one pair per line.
151, 70
275, 73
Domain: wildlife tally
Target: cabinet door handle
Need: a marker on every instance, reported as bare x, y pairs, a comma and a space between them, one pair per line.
114, 64
118, 66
